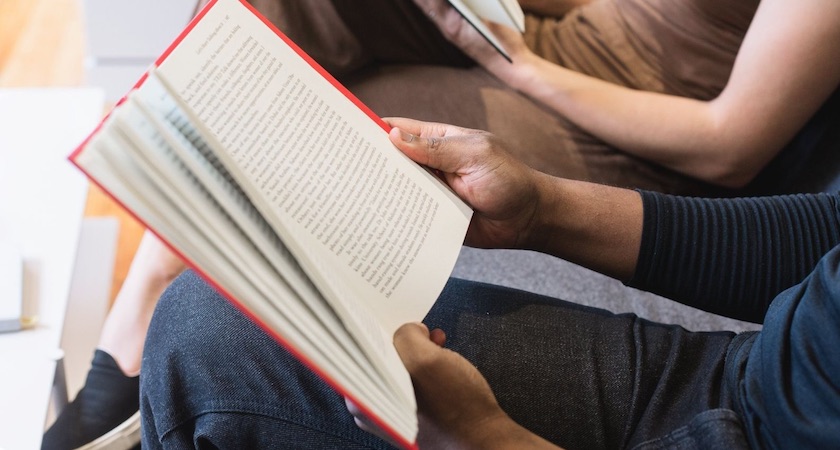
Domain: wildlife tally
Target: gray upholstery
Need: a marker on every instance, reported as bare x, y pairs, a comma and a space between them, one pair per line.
550, 276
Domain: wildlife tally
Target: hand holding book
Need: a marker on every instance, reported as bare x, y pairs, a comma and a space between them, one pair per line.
283, 191
457, 407
501, 190
473, 24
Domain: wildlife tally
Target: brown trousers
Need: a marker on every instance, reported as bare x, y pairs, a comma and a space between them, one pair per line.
391, 57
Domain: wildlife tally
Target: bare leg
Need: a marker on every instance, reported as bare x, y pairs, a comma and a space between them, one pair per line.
110, 395
153, 268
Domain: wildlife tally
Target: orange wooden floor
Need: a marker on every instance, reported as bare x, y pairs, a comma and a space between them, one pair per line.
42, 45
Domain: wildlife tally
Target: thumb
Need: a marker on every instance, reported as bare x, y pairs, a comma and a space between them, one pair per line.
434, 152
415, 346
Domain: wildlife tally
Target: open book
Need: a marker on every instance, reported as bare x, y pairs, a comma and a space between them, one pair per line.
284, 192
505, 12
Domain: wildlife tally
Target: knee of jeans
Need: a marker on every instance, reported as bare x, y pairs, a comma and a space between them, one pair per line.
183, 313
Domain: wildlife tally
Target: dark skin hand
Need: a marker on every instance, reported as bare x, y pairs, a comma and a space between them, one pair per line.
456, 407
518, 207
499, 188
514, 207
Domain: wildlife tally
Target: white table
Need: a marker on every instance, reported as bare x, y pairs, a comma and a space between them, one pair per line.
120, 43
42, 198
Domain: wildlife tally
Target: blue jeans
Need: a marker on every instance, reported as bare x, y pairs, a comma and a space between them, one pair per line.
578, 376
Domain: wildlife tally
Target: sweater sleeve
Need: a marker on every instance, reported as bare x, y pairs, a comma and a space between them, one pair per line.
733, 256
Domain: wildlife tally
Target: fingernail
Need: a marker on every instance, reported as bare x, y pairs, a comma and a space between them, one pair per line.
406, 137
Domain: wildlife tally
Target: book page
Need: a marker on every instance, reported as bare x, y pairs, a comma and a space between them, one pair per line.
177, 207
475, 19
516, 13
180, 136
505, 12
377, 234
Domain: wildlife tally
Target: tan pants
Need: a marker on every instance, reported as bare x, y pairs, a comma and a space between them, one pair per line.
390, 56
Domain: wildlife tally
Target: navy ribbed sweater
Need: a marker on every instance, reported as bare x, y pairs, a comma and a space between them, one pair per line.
774, 260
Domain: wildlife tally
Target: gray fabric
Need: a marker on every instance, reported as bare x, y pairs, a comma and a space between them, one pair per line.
546, 275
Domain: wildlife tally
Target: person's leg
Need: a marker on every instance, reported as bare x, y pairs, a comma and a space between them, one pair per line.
581, 377
110, 394
152, 269
578, 376
212, 377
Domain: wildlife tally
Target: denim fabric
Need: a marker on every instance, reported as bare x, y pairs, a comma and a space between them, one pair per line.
713, 429
770, 259
578, 376
212, 379
789, 395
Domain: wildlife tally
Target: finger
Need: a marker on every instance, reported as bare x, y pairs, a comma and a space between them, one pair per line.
434, 9
360, 418
504, 33
414, 345
363, 423
424, 129
411, 329
429, 129
438, 337
445, 153
351, 406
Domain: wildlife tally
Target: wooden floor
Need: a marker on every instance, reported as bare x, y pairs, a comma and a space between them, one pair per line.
42, 45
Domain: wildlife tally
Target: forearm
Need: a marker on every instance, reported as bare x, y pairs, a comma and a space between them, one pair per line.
733, 256
728, 256
599, 227
725, 141
689, 136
